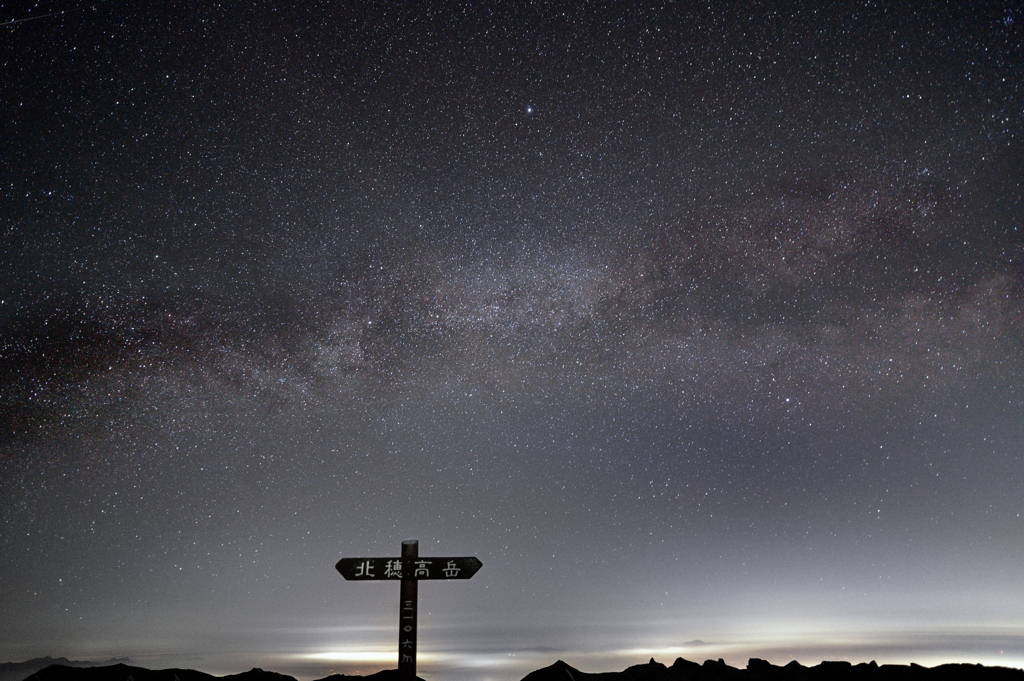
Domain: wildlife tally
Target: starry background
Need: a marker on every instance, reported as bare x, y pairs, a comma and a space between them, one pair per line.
700, 324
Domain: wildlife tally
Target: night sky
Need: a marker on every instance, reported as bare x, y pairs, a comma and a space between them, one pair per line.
700, 324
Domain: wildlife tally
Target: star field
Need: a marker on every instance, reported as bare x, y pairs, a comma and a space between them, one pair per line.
701, 325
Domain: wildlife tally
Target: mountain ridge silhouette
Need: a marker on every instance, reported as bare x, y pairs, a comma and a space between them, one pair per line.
16, 671
680, 670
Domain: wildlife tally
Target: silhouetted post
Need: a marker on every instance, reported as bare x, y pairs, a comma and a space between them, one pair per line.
407, 617
410, 568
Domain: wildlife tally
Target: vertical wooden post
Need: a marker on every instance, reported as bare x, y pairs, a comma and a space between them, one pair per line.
407, 617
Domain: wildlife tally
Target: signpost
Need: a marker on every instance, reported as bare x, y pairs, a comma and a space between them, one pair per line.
410, 569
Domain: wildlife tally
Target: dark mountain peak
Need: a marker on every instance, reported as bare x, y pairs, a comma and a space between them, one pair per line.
764, 670
649, 666
718, 669
559, 671
257, 674
651, 671
384, 675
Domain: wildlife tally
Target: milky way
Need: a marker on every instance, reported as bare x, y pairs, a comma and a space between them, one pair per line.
692, 322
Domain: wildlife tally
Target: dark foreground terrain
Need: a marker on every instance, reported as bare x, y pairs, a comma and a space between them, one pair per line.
681, 670
759, 670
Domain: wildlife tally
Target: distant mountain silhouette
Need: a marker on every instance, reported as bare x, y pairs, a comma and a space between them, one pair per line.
123, 672
760, 670
16, 671
386, 675
681, 670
